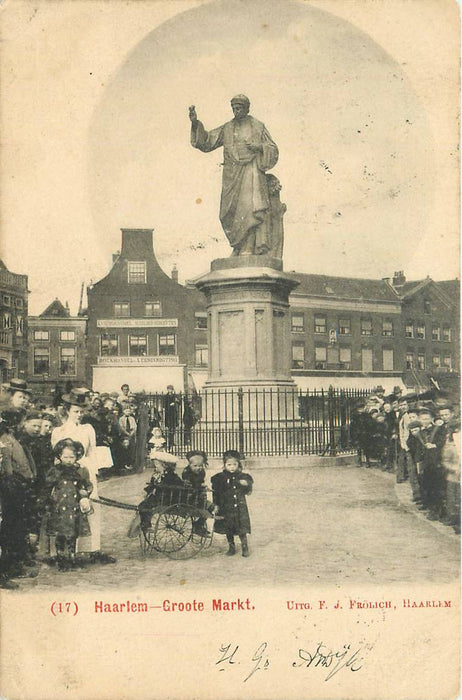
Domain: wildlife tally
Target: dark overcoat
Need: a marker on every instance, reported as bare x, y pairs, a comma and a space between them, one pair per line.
229, 495
65, 516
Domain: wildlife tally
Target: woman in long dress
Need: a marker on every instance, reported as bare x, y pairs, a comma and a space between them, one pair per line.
75, 405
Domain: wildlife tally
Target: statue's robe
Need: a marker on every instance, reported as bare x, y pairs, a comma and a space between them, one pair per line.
244, 207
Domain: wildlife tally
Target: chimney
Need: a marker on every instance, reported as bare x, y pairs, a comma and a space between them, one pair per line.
174, 273
68, 311
115, 256
137, 243
399, 279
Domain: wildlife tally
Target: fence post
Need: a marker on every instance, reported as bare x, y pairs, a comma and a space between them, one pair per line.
141, 436
240, 416
331, 408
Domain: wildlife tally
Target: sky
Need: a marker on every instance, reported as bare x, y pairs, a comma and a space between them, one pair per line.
360, 97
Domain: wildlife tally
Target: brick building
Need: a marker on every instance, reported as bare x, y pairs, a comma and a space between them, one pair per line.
57, 348
144, 328
13, 329
344, 332
430, 343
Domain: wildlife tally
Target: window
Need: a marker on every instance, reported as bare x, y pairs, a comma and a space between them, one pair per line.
345, 357
436, 361
420, 331
427, 306
320, 324
167, 344
387, 329
67, 335
67, 361
122, 308
436, 333
41, 335
41, 361
409, 360
7, 321
201, 355
137, 272
320, 357
298, 323
19, 324
6, 299
421, 360
298, 356
109, 344
19, 303
138, 345
153, 308
344, 326
200, 320
409, 330
447, 361
366, 326
447, 334
387, 358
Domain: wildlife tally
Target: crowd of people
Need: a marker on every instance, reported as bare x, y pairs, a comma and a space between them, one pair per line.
52, 456
417, 437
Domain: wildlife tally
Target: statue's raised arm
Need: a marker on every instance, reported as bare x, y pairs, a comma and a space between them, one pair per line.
247, 211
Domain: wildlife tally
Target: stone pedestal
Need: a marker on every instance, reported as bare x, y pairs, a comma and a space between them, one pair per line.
249, 337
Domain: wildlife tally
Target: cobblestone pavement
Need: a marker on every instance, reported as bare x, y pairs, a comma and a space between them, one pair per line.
316, 525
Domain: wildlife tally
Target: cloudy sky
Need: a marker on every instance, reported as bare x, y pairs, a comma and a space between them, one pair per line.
359, 96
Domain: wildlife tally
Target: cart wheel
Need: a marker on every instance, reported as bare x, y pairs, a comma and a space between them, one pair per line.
176, 533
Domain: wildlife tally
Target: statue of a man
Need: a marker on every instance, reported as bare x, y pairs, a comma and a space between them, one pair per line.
249, 151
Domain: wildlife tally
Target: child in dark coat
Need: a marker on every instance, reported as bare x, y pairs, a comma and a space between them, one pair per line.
69, 503
157, 490
193, 476
230, 488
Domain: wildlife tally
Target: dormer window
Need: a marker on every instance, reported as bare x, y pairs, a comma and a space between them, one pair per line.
137, 272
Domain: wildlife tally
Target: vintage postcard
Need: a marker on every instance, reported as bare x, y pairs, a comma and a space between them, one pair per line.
230, 350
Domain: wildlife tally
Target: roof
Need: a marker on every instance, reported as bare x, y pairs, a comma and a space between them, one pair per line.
447, 290
343, 287
451, 288
56, 308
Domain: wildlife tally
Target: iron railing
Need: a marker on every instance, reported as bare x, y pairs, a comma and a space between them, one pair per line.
256, 422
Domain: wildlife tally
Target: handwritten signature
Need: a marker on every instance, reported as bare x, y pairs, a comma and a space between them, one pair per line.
320, 657
323, 657
229, 654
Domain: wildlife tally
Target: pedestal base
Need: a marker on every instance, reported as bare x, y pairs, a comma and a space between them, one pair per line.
249, 323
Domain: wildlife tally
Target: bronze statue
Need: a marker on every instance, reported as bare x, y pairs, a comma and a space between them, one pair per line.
250, 209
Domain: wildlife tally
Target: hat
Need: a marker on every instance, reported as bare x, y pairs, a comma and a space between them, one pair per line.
114, 395
17, 385
33, 415
397, 389
380, 388
165, 457
414, 424
76, 398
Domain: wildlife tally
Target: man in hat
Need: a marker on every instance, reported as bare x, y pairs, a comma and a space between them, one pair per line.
171, 406
18, 394
17, 528
433, 480
403, 457
248, 152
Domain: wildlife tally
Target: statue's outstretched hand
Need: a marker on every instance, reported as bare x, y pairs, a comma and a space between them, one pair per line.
192, 114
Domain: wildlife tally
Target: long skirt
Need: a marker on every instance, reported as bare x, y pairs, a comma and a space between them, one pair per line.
92, 543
